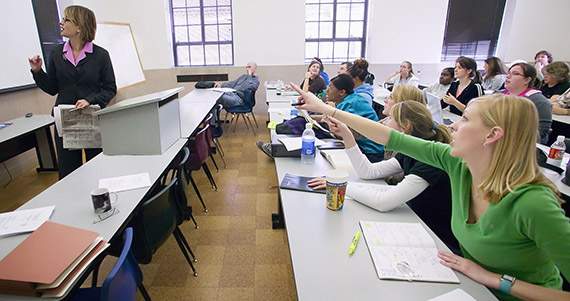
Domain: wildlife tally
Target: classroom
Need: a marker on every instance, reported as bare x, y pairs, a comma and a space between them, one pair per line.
241, 255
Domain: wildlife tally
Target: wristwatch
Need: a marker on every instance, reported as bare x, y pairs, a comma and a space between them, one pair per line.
506, 283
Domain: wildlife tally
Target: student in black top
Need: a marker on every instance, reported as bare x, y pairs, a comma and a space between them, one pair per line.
467, 86
424, 188
79, 72
556, 80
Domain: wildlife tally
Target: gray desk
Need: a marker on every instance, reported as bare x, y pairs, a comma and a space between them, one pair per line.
27, 133
319, 240
194, 107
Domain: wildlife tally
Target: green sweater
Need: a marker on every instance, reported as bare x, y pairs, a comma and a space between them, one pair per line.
525, 235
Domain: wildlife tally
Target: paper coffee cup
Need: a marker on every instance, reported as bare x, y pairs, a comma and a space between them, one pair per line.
336, 188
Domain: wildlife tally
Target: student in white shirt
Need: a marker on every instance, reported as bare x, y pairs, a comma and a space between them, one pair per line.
404, 76
424, 188
445, 78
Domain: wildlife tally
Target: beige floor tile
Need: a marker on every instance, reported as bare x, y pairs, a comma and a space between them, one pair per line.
271, 254
237, 276
235, 293
214, 222
208, 276
242, 222
238, 236
269, 237
271, 275
265, 207
273, 293
239, 255
209, 255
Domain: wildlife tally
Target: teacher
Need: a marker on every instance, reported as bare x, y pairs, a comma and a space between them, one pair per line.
79, 72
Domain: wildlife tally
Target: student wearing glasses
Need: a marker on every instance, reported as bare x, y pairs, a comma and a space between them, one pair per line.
520, 80
505, 213
79, 72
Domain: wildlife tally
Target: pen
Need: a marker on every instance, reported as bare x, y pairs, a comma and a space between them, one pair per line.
298, 104
74, 109
354, 243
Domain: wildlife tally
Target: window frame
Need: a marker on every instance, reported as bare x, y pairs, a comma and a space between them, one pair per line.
204, 42
334, 38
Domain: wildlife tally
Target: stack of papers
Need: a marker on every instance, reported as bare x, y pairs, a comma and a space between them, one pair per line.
23, 221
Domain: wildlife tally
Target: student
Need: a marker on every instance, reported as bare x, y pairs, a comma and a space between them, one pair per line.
465, 88
343, 67
313, 81
341, 93
505, 214
445, 79
246, 82
561, 106
80, 73
401, 93
424, 188
404, 76
541, 59
495, 74
556, 80
324, 75
520, 80
359, 72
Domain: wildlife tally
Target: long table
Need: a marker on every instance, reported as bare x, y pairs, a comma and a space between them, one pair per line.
71, 195
319, 240
26, 133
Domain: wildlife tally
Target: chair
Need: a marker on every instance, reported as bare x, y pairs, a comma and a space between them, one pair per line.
244, 111
155, 222
122, 282
210, 139
218, 131
178, 171
199, 151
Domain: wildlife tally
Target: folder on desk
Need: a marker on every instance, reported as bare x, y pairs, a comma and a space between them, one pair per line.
51, 256
300, 183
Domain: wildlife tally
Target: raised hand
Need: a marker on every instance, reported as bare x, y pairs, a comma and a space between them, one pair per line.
35, 63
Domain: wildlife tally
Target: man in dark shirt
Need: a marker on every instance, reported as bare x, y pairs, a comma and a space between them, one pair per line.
248, 81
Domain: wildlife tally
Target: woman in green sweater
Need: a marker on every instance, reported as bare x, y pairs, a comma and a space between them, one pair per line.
505, 214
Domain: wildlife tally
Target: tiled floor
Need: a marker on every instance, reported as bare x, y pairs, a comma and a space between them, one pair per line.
239, 256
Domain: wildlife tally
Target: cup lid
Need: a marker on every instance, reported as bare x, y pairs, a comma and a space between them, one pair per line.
336, 176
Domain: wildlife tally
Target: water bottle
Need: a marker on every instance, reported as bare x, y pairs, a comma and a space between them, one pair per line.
556, 153
308, 149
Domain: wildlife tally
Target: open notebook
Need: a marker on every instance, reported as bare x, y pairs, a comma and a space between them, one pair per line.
404, 251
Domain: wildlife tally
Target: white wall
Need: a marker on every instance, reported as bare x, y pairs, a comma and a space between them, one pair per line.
532, 26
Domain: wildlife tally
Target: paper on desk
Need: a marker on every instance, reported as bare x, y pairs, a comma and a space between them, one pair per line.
295, 143
455, 295
223, 90
126, 182
23, 221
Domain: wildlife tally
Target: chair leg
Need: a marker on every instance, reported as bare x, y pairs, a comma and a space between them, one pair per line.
243, 117
219, 146
144, 293
182, 248
253, 115
198, 192
251, 123
209, 175
185, 242
214, 161
235, 124
194, 221
220, 151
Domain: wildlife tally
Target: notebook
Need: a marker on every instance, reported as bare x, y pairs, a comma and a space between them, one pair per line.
404, 251
338, 159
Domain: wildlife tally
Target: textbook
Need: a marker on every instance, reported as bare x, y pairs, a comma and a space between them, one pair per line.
404, 251
338, 159
298, 183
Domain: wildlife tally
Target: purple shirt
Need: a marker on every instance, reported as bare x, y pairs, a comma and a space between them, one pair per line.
68, 52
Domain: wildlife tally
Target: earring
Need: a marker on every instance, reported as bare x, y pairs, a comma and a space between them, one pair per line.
485, 144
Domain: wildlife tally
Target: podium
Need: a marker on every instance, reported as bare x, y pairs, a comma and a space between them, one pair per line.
144, 125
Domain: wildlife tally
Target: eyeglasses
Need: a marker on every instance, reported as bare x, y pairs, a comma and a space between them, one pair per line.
514, 73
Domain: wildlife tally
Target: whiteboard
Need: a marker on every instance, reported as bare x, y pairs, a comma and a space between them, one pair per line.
118, 40
20, 41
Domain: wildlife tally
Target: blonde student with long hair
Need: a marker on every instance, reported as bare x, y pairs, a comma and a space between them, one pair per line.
424, 188
505, 213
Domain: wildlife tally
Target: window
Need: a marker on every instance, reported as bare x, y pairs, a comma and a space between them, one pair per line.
335, 30
472, 29
202, 32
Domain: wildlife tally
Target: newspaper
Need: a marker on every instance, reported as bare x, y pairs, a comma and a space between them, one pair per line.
80, 128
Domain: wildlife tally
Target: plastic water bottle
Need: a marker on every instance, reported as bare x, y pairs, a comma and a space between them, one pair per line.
308, 149
556, 153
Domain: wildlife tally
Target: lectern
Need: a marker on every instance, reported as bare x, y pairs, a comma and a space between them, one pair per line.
144, 125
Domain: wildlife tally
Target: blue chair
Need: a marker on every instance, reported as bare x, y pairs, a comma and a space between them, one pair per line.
244, 111
122, 282
218, 131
